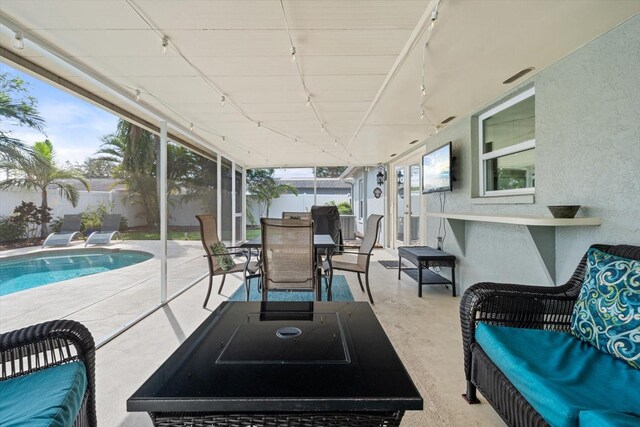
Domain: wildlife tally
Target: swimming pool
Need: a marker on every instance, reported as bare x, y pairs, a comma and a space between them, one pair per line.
30, 271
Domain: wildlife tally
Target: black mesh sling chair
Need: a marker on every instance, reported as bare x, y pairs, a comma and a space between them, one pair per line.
363, 256
287, 262
326, 220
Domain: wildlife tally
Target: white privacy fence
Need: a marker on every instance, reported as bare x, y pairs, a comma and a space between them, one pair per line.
182, 210
293, 203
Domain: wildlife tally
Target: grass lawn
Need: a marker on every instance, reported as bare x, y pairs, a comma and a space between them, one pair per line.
150, 235
175, 235
253, 232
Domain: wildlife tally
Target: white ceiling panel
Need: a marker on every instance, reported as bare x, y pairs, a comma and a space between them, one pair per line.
73, 14
346, 49
348, 42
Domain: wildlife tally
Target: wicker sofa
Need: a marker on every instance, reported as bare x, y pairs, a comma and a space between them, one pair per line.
535, 308
47, 375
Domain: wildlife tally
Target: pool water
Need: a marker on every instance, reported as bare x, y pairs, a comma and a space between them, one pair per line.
26, 272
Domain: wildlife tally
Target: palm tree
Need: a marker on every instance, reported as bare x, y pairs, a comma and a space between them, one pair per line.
264, 188
38, 171
16, 109
134, 152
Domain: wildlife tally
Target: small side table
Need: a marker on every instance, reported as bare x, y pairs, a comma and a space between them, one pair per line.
424, 257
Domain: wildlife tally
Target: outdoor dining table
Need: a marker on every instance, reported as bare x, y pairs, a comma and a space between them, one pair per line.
277, 363
320, 241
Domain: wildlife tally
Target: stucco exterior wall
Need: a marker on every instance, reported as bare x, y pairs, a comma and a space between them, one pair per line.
587, 153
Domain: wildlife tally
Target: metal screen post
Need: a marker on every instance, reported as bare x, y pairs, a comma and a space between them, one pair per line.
163, 211
233, 203
315, 185
219, 196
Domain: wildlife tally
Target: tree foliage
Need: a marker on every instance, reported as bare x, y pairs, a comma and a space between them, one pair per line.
265, 189
330, 172
17, 108
38, 171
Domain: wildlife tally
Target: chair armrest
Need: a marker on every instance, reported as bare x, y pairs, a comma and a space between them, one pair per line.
243, 253
520, 306
349, 253
47, 344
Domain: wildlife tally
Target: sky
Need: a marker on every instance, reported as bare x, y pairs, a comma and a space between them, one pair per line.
73, 126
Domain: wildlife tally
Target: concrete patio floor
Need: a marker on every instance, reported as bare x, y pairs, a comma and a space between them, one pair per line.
104, 302
425, 332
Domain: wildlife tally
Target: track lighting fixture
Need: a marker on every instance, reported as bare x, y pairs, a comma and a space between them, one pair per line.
259, 124
224, 139
18, 41
335, 142
293, 54
421, 114
322, 128
137, 97
308, 101
223, 100
191, 127
165, 44
423, 90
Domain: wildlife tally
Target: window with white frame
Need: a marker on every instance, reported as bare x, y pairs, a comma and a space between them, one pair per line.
507, 147
361, 199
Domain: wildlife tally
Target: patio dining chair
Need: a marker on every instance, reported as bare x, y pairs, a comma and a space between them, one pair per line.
362, 261
69, 229
109, 229
326, 220
288, 256
209, 237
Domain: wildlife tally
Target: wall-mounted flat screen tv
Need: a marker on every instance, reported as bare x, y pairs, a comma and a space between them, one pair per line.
436, 170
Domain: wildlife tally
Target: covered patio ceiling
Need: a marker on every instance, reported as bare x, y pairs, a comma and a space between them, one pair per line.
359, 62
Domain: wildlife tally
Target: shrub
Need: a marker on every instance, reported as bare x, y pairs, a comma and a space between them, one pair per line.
29, 217
124, 224
344, 208
92, 217
10, 231
56, 224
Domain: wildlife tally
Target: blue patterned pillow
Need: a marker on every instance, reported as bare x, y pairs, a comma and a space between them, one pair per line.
607, 312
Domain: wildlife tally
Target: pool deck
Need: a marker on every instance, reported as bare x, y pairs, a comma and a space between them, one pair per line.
107, 301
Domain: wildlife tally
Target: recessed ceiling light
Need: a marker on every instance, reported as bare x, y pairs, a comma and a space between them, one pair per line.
518, 75
393, 155
448, 119
413, 142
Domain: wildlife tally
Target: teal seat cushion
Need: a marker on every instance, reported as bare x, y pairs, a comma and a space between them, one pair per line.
51, 397
560, 375
608, 419
607, 311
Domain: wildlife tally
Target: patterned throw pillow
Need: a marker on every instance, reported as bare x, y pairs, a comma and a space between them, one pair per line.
219, 250
607, 312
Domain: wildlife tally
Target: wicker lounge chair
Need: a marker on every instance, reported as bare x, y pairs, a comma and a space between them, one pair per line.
288, 256
70, 228
361, 264
526, 307
109, 229
208, 237
27, 355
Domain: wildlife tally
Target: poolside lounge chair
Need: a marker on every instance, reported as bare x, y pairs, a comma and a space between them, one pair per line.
110, 226
70, 228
